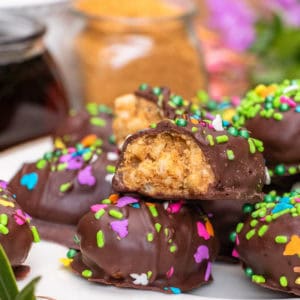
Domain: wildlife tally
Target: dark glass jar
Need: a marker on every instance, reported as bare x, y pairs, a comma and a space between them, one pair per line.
32, 98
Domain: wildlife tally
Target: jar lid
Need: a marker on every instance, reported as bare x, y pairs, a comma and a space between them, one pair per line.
16, 29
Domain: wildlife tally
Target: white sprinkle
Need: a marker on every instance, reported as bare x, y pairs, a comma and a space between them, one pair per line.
109, 178
293, 87
268, 178
140, 278
166, 205
217, 123
112, 156
94, 158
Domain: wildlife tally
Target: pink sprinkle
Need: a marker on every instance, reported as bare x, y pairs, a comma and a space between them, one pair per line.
123, 201
263, 219
97, 207
208, 271
235, 100
21, 217
297, 199
86, 177
201, 254
174, 208
235, 253
237, 240
170, 273
120, 227
202, 232
287, 100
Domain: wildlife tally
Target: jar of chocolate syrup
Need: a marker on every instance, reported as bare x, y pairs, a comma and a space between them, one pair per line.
32, 98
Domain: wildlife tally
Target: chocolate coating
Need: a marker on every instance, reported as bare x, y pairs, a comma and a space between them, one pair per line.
236, 177
61, 186
268, 243
137, 244
224, 215
93, 121
15, 234
272, 114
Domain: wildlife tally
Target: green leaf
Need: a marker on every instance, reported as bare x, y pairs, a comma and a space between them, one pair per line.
28, 291
8, 285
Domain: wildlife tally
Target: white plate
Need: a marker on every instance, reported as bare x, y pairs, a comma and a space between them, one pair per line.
57, 282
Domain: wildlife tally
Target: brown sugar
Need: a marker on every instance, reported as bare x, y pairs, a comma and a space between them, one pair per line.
166, 162
116, 54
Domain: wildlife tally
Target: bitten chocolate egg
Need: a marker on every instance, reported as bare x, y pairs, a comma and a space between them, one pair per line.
147, 106
272, 114
268, 243
191, 159
16, 233
93, 124
129, 242
61, 186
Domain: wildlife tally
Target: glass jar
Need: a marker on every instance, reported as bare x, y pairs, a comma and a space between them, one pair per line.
118, 53
32, 97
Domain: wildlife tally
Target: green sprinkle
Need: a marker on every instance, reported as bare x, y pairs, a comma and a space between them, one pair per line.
76, 239
3, 219
230, 154
92, 109
98, 122
262, 230
143, 87
177, 100
149, 274
153, 125
87, 273
244, 133
252, 147
278, 116
41, 164
3, 229
292, 170
283, 281
258, 279
156, 91
232, 236
150, 237
99, 214
61, 167
249, 272
239, 227
222, 139
65, 187
250, 234
87, 156
112, 139
166, 231
281, 239
253, 223
279, 170
153, 211
210, 140
104, 109
248, 208
194, 129
233, 131
181, 122
35, 234
157, 227
106, 201
111, 169
71, 253
115, 214
173, 248
100, 239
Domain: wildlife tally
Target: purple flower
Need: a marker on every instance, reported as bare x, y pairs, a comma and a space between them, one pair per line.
235, 21
289, 10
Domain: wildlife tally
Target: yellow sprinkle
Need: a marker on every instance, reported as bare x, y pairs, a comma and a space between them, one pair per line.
6, 203
66, 262
297, 281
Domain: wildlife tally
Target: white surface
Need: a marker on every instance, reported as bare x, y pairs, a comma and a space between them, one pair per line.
26, 3
57, 282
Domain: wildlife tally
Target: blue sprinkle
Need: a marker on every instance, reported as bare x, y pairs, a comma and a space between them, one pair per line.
175, 290
285, 200
135, 205
224, 105
297, 109
225, 123
196, 117
29, 180
281, 206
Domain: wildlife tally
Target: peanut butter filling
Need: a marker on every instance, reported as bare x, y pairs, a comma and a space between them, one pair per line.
166, 162
133, 114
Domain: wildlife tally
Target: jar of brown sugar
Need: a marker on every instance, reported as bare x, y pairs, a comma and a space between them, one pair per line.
125, 43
